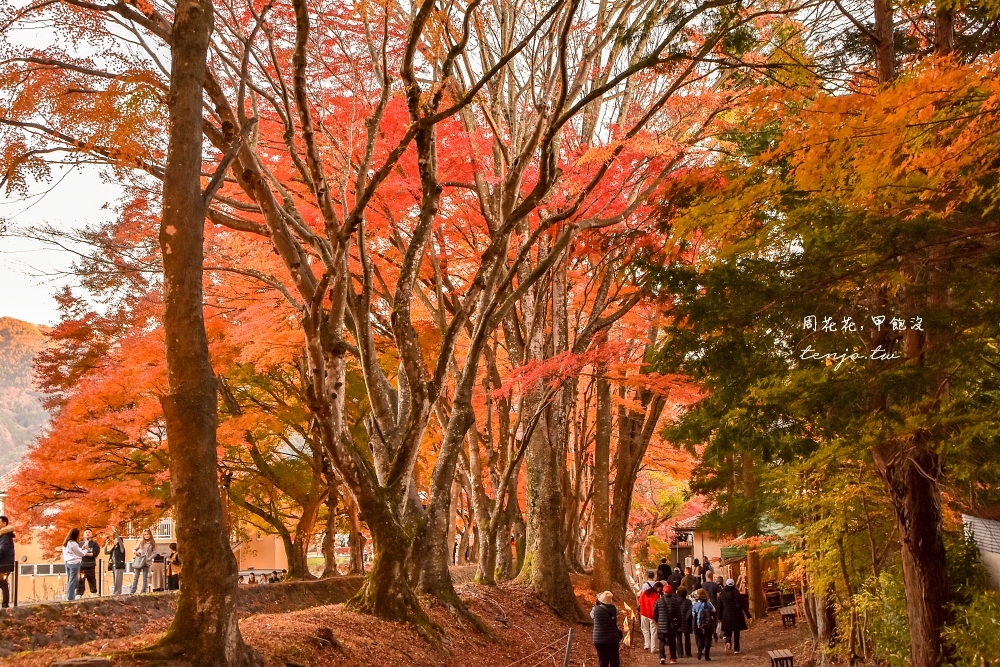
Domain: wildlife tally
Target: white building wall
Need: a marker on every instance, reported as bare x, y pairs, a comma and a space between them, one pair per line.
986, 533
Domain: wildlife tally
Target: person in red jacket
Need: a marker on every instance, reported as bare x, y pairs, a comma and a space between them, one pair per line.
647, 598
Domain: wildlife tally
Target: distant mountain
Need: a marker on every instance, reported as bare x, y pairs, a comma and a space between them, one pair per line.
22, 416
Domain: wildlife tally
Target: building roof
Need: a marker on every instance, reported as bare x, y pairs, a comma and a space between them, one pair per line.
690, 523
688, 515
989, 512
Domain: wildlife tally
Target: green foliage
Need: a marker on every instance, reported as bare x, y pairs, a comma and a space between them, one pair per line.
657, 549
975, 634
815, 216
967, 576
881, 610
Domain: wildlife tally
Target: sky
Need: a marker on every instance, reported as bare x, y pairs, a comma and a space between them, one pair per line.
30, 271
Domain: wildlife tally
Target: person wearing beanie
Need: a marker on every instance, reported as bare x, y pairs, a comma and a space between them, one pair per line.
606, 636
667, 612
733, 614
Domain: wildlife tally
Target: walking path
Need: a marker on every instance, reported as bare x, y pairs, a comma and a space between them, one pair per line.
763, 636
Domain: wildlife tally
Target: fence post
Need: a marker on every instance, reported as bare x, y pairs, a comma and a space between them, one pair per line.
569, 646
100, 577
17, 575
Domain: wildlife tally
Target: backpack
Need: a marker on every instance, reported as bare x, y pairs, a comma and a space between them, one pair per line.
706, 619
676, 623
675, 620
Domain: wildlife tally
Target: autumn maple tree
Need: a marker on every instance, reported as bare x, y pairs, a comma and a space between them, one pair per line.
423, 206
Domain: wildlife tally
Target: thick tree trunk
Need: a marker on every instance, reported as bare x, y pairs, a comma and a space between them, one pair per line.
944, 32
205, 629
505, 561
476, 543
386, 592
635, 430
486, 563
755, 588
885, 48
509, 554
826, 622
910, 477
452, 525
545, 568
462, 551
298, 558
356, 540
435, 577
809, 607
571, 523
601, 490
330, 535
520, 531
489, 514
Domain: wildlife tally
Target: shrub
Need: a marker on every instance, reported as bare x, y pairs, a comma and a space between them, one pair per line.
974, 636
881, 609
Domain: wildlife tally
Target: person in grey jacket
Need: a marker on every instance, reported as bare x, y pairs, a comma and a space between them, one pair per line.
607, 636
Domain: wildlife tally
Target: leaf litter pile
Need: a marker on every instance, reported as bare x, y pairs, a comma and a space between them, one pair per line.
527, 634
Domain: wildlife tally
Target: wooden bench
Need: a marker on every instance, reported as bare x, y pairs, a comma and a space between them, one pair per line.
788, 616
781, 658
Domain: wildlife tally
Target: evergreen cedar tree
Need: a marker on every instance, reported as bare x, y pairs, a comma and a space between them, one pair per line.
868, 203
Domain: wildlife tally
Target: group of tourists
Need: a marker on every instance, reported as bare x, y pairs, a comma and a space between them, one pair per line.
81, 556
263, 578
673, 605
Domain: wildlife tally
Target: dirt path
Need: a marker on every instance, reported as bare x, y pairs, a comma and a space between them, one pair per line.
764, 635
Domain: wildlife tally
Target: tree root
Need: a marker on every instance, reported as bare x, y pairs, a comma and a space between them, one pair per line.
450, 599
170, 652
406, 610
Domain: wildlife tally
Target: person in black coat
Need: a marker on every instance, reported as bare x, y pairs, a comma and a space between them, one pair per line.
733, 614
7, 559
684, 634
607, 636
663, 570
115, 550
88, 565
667, 612
675, 579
